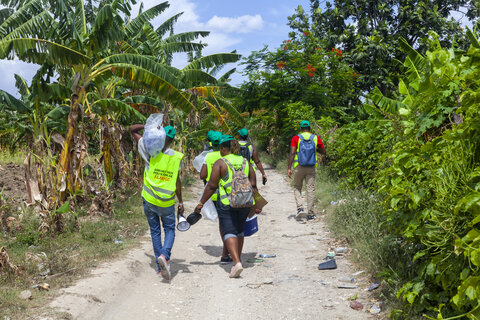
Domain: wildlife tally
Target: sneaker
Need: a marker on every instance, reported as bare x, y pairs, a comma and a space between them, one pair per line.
226, 260
311, 217
299, 214
236, 270
165, 271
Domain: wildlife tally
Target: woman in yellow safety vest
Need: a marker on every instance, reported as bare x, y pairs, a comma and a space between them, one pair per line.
232, 220
214, 137
161, 182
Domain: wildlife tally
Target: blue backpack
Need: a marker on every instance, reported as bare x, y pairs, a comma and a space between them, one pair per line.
307, 156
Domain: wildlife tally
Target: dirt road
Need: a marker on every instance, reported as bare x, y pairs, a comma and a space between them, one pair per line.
286, 287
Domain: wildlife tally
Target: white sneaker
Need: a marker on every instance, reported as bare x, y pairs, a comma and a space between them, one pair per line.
236, 270
165, 267
299, 215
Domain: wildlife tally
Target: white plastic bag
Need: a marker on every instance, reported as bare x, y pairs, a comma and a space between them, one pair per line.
200, 159
208, 210
154, 134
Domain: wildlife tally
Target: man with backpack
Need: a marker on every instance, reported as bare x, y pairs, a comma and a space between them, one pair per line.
235, 180
303, 155
248, 151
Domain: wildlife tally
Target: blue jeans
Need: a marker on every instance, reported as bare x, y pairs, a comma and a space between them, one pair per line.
167, 215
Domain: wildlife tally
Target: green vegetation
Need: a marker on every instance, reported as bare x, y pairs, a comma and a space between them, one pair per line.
85, 243
390, 86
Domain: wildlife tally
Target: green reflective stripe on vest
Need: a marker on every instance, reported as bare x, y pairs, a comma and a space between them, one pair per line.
160, 180
306, 136
225, 187
210, 159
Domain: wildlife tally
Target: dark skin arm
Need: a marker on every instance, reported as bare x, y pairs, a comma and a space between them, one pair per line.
203, 172
219, 170
256, 159
135, 130
178, 192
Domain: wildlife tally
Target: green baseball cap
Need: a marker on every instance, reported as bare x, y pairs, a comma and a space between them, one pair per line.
226, 138
213, 135
243, 132
170, 131
304, 124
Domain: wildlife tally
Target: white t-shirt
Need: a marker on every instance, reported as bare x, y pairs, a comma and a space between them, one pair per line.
146, 156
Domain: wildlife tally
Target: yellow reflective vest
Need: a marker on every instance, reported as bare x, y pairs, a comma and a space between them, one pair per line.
306, 136
160, 181
225, 183
210, 159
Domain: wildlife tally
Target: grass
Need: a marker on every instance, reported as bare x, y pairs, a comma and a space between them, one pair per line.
17, 158
86, 243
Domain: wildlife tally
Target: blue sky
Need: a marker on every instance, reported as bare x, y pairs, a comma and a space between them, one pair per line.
244, 26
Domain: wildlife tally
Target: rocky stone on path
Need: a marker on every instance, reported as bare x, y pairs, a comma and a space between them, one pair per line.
356, 305
26, 295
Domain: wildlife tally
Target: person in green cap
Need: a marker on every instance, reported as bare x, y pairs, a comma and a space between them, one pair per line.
232, 220
248, 151
210, 136
205, 174
303, 155
161, 182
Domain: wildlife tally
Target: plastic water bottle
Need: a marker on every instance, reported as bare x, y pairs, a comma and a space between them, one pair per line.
261, 255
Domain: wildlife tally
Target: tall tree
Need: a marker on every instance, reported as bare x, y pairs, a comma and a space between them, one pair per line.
367, 31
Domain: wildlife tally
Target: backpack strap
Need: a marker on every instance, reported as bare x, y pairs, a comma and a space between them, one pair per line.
312, 136
243, 165
301, 137
229, 165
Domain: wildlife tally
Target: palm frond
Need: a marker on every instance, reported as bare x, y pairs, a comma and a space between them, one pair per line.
81, 23
135, 26
187, 36
418, 60
35, 27
231, 110
143, 78
21, 85
20, 16
12, 103
173, 47
4, 14
167, 25
225, 77
386, 104
213, 60
195, 76
40, 51
106, 106
167, 73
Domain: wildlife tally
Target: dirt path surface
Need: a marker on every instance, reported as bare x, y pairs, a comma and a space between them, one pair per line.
286, 287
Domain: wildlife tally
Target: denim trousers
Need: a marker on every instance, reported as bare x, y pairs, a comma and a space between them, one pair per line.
167, 215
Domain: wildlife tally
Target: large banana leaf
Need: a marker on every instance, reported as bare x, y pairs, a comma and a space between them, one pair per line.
197, 76
231, 110
167, 73
173, 47
416, 58
213, 60
135, 26
107, 106
142, 100
22, 86
187, 36
35, 27
40, 51
106, 30
225, 77
20, 16
167, 25
4, 14
13, 103
143, 78
386, 104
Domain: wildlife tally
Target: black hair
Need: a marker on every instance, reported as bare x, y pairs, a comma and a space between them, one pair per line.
168, 140
306, 128
226, 144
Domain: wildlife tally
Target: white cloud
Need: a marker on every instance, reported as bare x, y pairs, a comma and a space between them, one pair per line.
243, 24
8, 68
